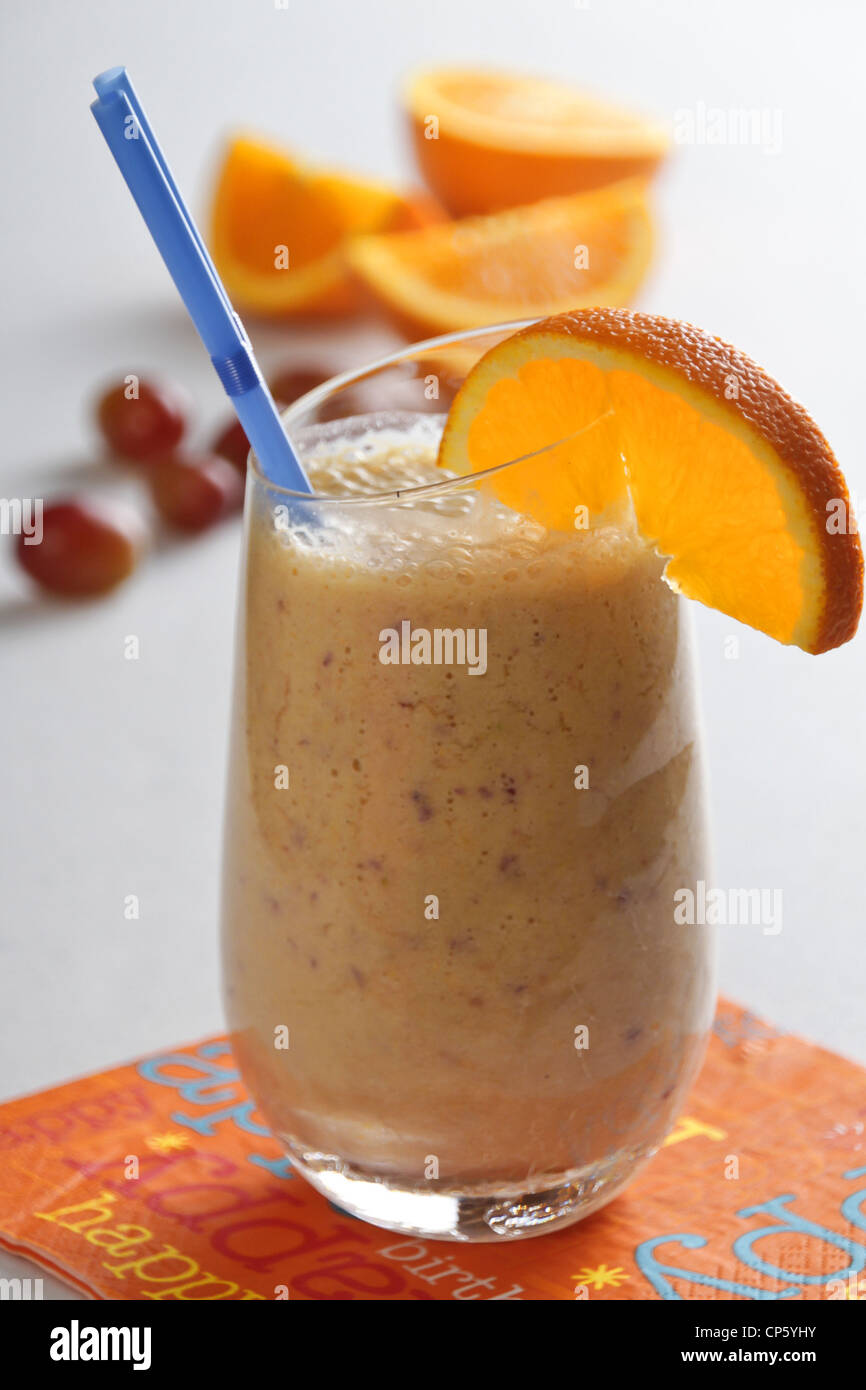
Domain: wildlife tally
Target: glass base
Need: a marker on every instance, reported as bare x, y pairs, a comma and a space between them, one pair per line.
485, 1213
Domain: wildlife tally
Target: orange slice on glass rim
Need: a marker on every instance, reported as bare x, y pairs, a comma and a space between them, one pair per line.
728, 476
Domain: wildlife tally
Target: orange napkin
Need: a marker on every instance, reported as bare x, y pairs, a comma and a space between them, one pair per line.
158, 1181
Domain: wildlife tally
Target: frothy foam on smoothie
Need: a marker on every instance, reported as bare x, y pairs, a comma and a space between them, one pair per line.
457, 532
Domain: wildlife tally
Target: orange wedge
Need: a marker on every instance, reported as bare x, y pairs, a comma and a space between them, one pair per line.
278, 229
485, 141
593, 248
728, 476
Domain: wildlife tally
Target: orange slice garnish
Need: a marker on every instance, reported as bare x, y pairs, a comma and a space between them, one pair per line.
279, 229
593, 248
728, 476
485, 141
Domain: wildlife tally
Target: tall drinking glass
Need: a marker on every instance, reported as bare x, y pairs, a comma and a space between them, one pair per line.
464, 789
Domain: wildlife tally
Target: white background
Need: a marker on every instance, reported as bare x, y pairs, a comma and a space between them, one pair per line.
112, 771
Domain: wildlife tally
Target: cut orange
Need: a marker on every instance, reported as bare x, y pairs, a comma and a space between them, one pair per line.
593, 248
278, 229
729, 478
485, 141
414, 210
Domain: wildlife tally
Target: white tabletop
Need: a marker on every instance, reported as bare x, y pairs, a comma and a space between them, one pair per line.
112, 770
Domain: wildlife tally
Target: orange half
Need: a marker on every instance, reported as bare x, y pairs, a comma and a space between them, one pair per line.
728, 477
486, 140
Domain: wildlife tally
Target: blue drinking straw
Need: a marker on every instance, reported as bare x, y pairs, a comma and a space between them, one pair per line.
141, 161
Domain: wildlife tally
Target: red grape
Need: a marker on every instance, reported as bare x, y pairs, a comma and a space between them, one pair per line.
143, 425
232, 444
288, 385
192, 493
86, 547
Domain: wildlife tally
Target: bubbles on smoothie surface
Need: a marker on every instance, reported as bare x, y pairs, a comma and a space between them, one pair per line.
454, 534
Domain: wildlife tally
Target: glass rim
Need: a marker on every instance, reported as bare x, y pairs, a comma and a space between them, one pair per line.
334, 384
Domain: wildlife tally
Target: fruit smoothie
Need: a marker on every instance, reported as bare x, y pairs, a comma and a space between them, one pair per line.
451, 959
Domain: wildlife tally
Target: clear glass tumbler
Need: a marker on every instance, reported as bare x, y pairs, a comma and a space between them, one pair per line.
464, 788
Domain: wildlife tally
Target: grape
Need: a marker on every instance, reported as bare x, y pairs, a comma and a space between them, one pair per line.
232, 444
144, 426
86, 547
288, 385
193, 493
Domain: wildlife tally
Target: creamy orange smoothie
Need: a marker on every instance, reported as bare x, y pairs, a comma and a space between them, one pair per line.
454, 887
